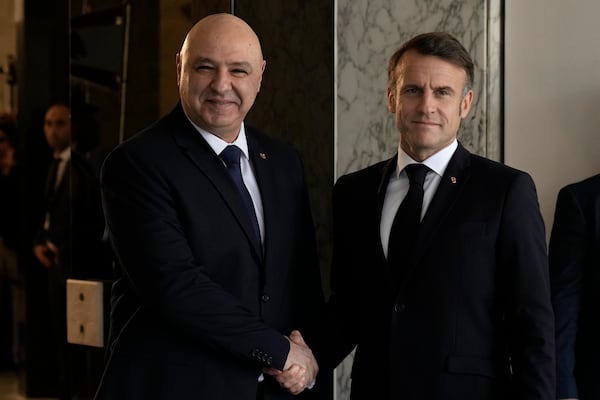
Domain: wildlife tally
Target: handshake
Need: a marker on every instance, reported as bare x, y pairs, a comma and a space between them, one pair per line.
300, 369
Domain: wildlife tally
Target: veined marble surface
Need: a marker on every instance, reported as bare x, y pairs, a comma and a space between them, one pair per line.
368, 32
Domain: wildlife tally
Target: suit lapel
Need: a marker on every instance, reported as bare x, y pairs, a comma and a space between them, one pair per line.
262, 164
197, 150
455, 177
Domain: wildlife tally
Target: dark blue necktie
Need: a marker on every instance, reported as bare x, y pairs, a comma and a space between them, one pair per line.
51, 178
231, 157
406, 222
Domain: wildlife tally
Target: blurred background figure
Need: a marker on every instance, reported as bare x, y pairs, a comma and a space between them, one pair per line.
11, 303
69, 238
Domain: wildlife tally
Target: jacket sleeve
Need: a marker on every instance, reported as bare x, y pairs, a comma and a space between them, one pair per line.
567, 263
523, 264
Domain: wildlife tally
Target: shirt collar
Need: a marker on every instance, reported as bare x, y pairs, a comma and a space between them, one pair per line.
436, 162
218, 144
64, 155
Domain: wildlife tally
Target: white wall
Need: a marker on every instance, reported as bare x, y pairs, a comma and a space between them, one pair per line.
552, 93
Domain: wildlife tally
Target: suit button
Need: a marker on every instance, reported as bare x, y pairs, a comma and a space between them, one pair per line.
265, 298
399, 308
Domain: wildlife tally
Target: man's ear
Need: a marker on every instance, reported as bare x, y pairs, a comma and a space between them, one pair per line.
178, 66
465, 104
262, 70
391, 100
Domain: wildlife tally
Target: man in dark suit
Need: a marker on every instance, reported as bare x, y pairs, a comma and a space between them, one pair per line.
69, 238
217, 266
456, 306
575, 280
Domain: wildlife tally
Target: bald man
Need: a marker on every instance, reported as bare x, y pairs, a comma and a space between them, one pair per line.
210, 223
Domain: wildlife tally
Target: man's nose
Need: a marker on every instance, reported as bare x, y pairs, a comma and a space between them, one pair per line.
221, 81
427, 103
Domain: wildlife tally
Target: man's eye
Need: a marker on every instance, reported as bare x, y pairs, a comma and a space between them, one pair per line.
239, 72
203, 67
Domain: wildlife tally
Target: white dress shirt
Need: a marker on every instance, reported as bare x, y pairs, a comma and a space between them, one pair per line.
398, 187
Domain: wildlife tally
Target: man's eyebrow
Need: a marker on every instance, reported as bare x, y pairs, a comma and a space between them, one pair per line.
446, 88
242, 64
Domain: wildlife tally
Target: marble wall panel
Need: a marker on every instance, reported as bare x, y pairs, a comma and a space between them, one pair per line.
368, 32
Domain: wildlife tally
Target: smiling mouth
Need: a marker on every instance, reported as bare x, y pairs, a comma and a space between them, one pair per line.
427, 123
219, 102
222, 105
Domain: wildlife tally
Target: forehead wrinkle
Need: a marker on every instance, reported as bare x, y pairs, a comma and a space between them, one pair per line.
412, 64
444, 87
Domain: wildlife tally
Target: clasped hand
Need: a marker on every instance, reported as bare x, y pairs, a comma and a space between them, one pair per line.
300, 369
47, 254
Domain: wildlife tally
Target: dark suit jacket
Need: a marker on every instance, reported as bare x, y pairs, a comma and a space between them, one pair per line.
575, 279
76, 223
475, 304
200, 309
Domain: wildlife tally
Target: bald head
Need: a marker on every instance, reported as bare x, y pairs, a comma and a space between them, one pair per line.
219, 73
223, 28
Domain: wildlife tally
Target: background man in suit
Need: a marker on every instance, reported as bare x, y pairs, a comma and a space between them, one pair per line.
575, 281
69, 238
210, 284
456, 306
